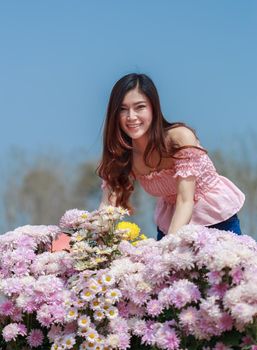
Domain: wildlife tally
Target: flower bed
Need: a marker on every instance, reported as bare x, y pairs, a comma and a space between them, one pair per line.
115, 289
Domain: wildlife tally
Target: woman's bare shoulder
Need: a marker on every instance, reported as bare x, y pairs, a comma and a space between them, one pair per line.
182, 136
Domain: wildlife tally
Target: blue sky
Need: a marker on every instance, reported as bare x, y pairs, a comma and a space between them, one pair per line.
60, 59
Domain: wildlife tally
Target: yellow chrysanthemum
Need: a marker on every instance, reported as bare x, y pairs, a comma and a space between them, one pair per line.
142, 236
132, 230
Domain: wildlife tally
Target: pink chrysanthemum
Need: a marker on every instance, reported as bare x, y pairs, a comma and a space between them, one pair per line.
73, 218
221, 346
179, 294
12, 330
226, 322
237, 275
35, 338
7, 308
188, 317
218, 290
166, 338
154, 307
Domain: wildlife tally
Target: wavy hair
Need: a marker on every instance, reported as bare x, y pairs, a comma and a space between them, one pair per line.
116, 164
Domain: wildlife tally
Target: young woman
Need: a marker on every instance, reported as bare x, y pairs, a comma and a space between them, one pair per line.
167, 160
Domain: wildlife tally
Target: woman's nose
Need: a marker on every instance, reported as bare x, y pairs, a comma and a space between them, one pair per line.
131, 114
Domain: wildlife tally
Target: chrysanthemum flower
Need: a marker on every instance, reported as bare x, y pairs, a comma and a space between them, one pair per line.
113, 340
99, 315
7, 308
69, 340
94, 286
72, 314
113, 295
92, 335
83, 346
12, 330
84, 321
90, 345
73, 218
35, 338
111, 312
107, 279
131, 230
96, 304
87, 295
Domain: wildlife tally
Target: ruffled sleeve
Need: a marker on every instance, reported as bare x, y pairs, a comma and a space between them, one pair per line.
190, 161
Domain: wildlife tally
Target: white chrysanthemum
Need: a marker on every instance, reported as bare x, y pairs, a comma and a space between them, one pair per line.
123, 211
79, 236
80, 247
113, 295
106, 306
69, 341
83, 331
87, 345
94, 286
91, 346
83, 346
87, 295
92, 335
111, 312
113, 340
84, 321
56, 347
79, 303
96, 304
108, 279
99, 315
72, 314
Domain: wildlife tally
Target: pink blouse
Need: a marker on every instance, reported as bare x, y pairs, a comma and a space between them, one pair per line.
216, 198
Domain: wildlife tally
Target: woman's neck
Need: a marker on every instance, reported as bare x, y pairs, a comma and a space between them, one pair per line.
139, 145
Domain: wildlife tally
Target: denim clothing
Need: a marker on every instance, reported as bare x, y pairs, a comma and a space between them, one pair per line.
232, 224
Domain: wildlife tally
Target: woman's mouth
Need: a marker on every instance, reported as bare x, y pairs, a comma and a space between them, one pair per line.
133, 126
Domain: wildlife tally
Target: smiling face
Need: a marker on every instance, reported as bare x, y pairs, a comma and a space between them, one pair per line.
136, 114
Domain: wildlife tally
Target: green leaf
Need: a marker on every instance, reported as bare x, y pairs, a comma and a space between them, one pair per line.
232, 338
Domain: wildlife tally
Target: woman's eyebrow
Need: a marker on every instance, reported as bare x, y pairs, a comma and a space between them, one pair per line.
134, 104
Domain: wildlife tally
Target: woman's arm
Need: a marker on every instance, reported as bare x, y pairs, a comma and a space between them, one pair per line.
185, 186
184, 203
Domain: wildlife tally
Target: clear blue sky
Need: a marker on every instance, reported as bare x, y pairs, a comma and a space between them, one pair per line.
59, 60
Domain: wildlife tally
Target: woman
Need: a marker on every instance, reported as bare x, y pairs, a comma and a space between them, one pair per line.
166, 158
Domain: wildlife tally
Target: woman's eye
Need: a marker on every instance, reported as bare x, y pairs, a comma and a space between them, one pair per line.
141, 106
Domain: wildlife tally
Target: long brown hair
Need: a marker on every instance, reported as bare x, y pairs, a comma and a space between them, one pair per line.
116, 163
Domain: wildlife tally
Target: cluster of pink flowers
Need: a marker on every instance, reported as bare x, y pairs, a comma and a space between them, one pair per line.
33, 291
196, 286
192, 290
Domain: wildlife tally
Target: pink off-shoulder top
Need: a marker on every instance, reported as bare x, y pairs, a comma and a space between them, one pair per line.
216, 197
